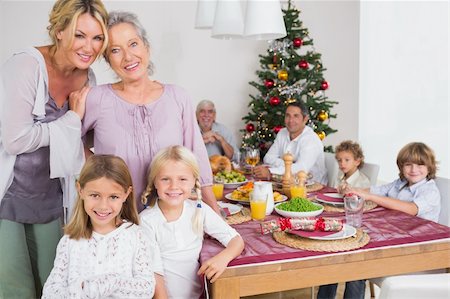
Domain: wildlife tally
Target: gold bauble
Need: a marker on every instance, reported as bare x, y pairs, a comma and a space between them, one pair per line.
322, 116
283, 75
290, 100
321, 135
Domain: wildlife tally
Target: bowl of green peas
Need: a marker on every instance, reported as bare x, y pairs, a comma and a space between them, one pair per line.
298, 207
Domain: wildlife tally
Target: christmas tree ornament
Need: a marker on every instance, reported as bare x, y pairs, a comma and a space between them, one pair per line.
277, 129
274, 101
303, 64
324, 85
321, 135
322, 116
269, 83
250, 128
290, 100
297, 42
283, 75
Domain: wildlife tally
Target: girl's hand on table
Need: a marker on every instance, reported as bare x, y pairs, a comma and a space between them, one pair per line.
213, 267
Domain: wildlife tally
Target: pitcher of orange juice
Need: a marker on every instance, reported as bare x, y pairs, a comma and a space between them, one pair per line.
263, 189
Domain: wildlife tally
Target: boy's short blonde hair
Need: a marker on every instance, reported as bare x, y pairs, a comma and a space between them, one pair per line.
417, 153
352, 147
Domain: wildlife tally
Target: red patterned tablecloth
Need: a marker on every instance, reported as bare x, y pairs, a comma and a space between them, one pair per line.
385, 227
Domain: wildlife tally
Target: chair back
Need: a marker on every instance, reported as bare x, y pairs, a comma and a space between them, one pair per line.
332, 167
371, 171
443, 186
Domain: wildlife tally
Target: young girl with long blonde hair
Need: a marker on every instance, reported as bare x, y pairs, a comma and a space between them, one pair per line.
104, 253
177, 224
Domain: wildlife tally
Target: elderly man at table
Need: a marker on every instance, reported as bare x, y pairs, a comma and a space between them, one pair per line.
218, 139
301, 141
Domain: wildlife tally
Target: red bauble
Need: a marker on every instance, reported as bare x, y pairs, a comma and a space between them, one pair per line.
297, 42
277, 129
324, 85
274, 101
269, 83
303, 64
250, 128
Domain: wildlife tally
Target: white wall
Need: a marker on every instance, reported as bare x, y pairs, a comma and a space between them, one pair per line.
404, 81
390, 55
215, 69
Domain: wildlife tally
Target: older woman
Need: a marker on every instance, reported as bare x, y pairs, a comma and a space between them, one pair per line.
40, 140
136, 117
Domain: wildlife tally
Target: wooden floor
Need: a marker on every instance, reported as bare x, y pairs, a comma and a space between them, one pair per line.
304, 294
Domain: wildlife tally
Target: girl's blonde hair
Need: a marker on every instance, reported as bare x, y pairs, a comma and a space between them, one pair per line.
176, 153
97, 167
354, 148
65, 14
417, 153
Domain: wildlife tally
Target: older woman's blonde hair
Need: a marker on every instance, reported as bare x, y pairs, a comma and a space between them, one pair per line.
65, 14
417, 153
97, 167
176, 153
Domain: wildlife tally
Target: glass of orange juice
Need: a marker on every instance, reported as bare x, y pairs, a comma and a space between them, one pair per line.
217, 189
298, 188
258, 205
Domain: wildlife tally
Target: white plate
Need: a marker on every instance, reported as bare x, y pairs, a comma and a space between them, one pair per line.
299, 214
234, 209
346, 232
334, 195
234, 185
246, 202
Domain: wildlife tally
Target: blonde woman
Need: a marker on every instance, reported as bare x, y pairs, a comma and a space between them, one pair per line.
177, 225
42, 90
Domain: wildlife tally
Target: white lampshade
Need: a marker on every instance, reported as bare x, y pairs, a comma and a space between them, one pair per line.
228, 20
206, 10
264, 20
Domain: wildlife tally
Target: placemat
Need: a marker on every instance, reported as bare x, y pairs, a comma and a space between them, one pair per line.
314, 187
368, 205
359, 240
242, 216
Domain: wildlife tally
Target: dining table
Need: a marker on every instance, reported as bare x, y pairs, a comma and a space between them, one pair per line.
399, 243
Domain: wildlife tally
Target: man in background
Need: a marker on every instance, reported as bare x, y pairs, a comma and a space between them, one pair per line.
218, 139
301, 141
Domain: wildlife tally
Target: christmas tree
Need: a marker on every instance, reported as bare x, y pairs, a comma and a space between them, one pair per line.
290, 71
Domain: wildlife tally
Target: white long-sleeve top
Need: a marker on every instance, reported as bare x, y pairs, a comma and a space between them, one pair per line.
307, 149
178, 247
115, 265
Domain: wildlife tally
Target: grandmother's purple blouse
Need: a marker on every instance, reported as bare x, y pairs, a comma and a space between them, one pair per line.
137, 132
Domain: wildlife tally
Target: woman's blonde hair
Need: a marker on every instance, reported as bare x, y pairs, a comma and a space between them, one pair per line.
176, 153
65, 14
417, 153
352, 147
97, 167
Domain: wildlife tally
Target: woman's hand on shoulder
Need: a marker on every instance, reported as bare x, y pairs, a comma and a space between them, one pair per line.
77, 101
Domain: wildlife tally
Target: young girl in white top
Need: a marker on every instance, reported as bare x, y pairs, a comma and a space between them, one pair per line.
350, 158
104, 253
177, 225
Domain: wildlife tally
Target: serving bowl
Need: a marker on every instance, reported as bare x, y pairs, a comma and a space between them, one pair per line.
299, 214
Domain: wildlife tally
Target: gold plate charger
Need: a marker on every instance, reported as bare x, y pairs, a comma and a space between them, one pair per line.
240, 217
368, 205
361, 239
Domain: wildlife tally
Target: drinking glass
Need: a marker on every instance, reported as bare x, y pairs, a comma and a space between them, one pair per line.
252, 158
354, 206
258, 204
217, 189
